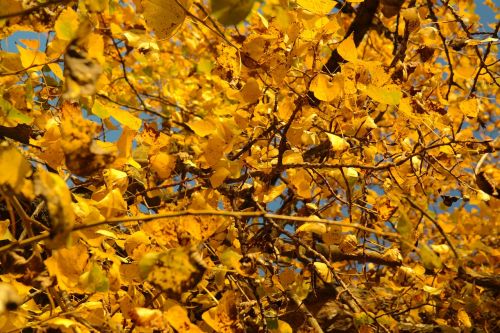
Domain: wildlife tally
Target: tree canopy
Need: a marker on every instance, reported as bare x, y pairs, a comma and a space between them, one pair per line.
248, 166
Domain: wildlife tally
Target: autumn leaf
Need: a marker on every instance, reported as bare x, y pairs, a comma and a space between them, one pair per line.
14, 165
176, 271
59, 203
231, 12
165, 16
320, 7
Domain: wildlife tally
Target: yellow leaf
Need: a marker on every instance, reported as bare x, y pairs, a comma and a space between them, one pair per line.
469, 107
230, 259
320, 7
429, 258
231, 12
327, 88
178, 318
464, 318
202, 127
126, 118
164, 17
31, 58
347, 49
317, 228
251, 91
152, 318
67, 265
323, 271
273, 193
112, 204
66, 25
97, 5
389, 94
59, 203
441, 248
13, 165
222, 317
290, 157
96, 47
94, 280
218, 177
57, 70
163, 164
338, 144
116, 179
432, 290
176, 271
10, 7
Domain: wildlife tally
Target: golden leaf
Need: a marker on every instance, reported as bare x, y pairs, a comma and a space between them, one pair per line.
469, 107
218, 177
178, 318
251, 91
326, 88
463, 318
13, 165
176, 271
317, 228
164, 17
389, 94
59, 203
66, 25
347, 49
67, 265
222, 317
320, 7
163, 164
338, 144
323, 271
231, 12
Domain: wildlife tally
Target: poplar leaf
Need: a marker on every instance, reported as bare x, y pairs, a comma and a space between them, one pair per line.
13, 165
320, 7
218, 177
126, 118
178, 318
164, 17
390, 94
10, 116
163, 164
57, 197
338, 144
57, 70
231, 12
202, 127
66, 25
347, 49
30, 58
469, 107
94, 280
464, 318
323, 271
430, 259
317, 228
176, 271
326, 88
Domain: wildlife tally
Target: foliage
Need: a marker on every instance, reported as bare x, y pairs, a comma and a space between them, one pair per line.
231, 166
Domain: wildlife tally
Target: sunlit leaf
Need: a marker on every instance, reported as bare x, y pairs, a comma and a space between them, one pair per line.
13, 165
66, 25
175, 271
347, 49
430, 259
164, 17
389, 94
231, 12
